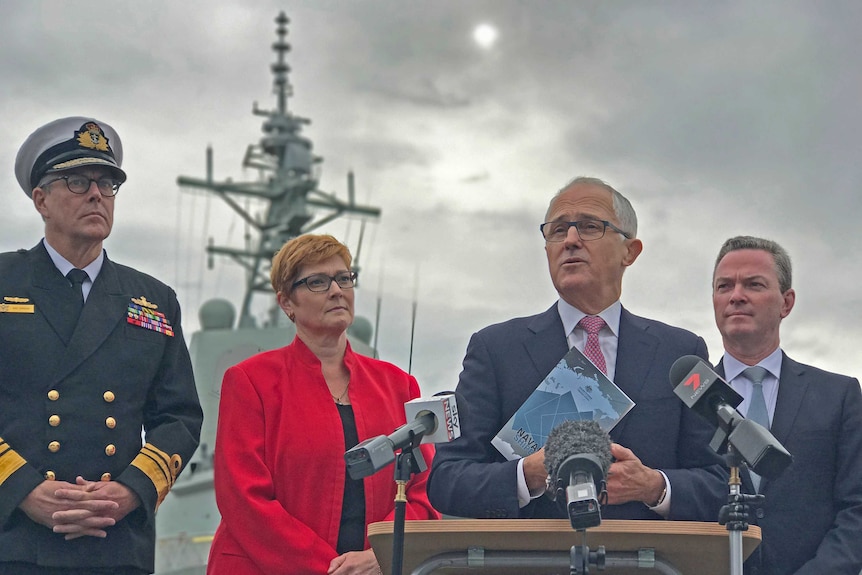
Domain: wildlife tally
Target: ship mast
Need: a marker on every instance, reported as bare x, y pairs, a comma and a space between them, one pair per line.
287, 185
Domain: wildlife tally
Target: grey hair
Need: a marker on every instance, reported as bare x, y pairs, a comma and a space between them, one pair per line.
623, 209
783, 267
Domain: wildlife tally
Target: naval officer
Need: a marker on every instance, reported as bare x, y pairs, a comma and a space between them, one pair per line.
91, 354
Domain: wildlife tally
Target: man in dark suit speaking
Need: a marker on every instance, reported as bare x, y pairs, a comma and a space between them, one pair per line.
91, 354
664, 466
811, 518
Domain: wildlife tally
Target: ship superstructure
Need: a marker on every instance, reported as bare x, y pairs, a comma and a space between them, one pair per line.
286, 193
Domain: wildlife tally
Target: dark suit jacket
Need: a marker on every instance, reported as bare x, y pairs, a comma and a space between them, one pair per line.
506, 362
74, 396
811, 519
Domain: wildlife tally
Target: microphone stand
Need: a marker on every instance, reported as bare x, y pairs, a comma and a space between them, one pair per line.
580, 557
408, 461
735, 513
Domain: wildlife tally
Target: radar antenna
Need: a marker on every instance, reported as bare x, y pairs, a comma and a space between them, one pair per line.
287, 185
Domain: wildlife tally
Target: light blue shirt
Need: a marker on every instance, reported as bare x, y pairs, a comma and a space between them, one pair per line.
62, 264
733, 369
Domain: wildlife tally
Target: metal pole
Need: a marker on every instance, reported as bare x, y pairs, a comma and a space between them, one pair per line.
491, 561
403, 470
737, 509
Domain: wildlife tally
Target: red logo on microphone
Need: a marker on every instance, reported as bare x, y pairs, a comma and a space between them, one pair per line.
693, 381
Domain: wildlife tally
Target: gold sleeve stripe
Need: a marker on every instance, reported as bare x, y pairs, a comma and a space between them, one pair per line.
155, 464
160, 457
10, 461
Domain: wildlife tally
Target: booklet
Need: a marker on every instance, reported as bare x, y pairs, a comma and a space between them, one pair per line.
574, 390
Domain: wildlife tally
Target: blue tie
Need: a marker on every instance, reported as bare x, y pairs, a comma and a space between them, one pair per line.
757, 411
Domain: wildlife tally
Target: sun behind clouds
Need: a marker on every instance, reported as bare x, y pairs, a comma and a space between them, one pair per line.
485, 36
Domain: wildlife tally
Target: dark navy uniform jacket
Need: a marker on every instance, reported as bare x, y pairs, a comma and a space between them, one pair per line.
75, 395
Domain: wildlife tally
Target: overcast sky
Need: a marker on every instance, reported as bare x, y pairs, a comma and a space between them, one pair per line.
713, 118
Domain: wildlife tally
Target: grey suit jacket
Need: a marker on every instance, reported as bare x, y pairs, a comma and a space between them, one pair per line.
504, 363
811, 519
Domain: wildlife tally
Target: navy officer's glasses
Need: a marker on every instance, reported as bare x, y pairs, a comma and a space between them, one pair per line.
79, 184
587, 230
321, 282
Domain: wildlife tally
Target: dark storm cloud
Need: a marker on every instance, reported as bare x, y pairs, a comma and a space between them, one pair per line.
719, 98
426, 94
714, 118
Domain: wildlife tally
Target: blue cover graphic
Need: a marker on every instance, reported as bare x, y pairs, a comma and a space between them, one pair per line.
574, 390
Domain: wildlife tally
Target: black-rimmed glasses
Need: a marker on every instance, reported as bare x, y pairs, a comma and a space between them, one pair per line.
322, 282
587, 230
79, 184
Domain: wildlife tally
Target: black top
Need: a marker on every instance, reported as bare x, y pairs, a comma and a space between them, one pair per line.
351, 533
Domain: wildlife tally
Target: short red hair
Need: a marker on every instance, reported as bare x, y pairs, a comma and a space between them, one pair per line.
307, 249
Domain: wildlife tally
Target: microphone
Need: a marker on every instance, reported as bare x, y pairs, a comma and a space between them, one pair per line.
700, 388
577, 458
434, 420
444, 408
704, 391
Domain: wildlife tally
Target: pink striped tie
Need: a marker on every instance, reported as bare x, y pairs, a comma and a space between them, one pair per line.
592, 324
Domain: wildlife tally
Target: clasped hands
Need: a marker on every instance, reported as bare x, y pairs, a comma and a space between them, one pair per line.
83, 508
628, 479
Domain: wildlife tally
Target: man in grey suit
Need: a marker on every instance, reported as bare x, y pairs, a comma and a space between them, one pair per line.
91, 354
663, 465
811, 518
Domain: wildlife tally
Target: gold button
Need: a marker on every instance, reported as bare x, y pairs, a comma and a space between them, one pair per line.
106, 477
110, 449
54, 420
54, 446
53, 395
110, 423
49, 475
176, 464
109, 396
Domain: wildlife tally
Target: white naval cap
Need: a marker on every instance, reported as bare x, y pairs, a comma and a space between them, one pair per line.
68, 143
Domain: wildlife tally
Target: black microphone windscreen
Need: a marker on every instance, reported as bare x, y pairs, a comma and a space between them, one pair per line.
682, 367
577, 437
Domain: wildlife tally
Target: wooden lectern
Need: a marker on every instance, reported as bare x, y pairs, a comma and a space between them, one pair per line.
692, 547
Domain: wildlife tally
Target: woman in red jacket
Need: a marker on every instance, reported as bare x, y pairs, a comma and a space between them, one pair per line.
287, 416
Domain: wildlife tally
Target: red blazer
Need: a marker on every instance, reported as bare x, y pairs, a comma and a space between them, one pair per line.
279, 460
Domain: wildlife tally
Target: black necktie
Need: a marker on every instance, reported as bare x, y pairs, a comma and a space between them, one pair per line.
77, 277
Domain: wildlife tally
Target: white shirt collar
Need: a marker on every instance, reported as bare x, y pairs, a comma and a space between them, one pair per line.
572, 315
